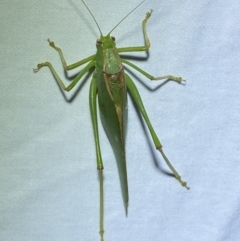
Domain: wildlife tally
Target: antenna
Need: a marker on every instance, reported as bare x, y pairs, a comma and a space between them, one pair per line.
126, 15
93, 16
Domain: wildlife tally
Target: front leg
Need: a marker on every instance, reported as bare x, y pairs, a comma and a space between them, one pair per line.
146, 39
64, 64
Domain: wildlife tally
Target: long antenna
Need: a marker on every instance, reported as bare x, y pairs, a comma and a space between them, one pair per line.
93, 16
126, 15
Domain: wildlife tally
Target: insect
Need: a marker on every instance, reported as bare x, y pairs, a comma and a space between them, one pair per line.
110, 83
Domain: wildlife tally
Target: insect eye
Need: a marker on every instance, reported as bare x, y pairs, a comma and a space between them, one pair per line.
99, 42
113, 38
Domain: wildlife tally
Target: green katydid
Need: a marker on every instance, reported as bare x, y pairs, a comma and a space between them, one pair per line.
110, 83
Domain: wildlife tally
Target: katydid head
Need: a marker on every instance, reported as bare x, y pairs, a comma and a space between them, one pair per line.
106, 42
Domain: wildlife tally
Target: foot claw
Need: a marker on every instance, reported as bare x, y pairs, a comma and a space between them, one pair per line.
35, 70
39, 66
180, 80
183, 82
51, 43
